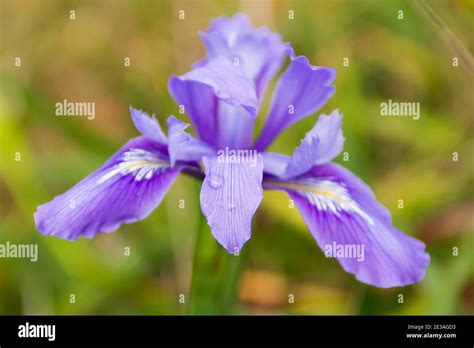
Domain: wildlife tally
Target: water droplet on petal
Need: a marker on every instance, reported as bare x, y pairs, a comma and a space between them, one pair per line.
216, 181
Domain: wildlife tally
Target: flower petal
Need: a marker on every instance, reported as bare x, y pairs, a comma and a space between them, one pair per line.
208, 93
127, 188
301, 90
148, 126
347, 221
275, 163
320, 145
230, 195
182, 146
235, 127
231, 27
259, 51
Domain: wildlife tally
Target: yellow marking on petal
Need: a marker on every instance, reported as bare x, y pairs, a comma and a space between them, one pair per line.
137, 162
332, 197
295, 186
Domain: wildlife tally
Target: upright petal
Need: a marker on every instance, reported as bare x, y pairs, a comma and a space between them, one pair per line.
349, 224
127, 188
184, 147
235, 127
231, 27
213, 95
320, 145
301, 90
148, 126
259, 51
275, 163
230, 195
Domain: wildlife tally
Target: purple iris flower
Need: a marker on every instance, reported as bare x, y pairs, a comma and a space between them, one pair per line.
222, 95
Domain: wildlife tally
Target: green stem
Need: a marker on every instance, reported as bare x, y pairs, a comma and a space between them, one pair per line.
215, 276
216, 273
233, 272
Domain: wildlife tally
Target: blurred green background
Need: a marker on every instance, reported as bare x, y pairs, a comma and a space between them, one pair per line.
172, 252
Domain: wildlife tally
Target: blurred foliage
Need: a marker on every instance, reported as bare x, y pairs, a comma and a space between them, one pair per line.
172, 251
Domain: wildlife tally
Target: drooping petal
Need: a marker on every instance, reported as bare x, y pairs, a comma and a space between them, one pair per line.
182, 146
349, 224
301, 90
148, 126
259, 51
211, 95
230, 195
127, 188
